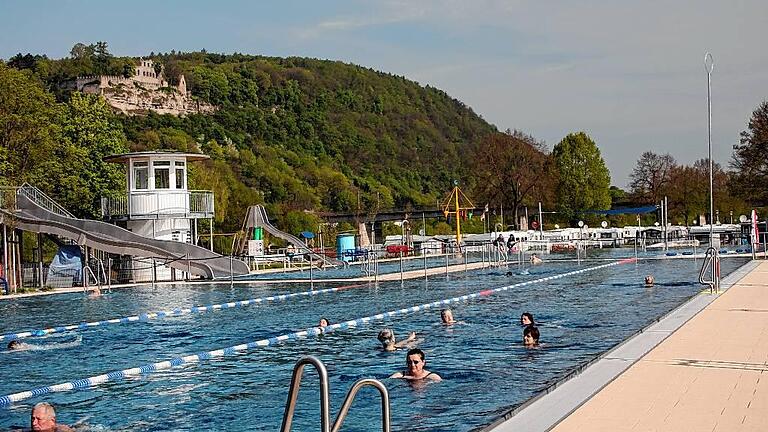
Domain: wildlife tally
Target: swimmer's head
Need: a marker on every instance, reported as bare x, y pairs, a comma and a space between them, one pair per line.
323, 322
649, 280
386, 337
14, 345
526, 319
531, 336
447, 316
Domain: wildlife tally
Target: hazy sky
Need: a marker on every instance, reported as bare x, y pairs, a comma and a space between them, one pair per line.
630, 74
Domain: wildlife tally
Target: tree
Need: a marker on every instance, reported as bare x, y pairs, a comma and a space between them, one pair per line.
508, 171
29, 131
584, 178
91, 132
749, 159
651, 176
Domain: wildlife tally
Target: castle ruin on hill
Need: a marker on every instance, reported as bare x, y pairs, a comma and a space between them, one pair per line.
146, 90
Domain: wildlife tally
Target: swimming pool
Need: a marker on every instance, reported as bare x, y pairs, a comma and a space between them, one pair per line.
486, 371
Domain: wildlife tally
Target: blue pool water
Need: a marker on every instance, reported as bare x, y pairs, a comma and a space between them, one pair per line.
486, 370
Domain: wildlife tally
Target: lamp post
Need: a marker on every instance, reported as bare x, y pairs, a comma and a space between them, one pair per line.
709, 66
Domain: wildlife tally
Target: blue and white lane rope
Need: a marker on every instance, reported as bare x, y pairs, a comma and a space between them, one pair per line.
143, 317
312, 331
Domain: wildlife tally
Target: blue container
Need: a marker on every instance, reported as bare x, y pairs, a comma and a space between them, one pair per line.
345, 243
671, 253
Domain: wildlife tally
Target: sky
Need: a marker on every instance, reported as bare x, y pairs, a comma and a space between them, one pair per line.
630, 74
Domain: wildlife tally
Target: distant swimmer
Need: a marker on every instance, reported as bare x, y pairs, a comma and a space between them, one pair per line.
323, 322
17, 345
415, 362
536, 260
43, 419
95, 292
649, 280
531, 336
526, 319
389, 343
446, 315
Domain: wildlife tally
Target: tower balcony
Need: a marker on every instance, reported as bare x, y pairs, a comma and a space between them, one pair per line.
159, 204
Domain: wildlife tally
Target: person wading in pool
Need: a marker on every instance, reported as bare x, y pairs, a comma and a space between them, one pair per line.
526, 319
389, 343
43, 419
446, 315
415, 362
531, 336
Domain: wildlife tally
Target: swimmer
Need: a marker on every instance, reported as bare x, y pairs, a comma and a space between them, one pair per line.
649, 280
389, 343
323, 322
446, 315
43, 419
526, 319
536, 260
17, 345
95, 292
415, 362
531, 337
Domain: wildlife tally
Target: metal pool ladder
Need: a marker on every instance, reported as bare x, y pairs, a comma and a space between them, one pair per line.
325, 405
711, 262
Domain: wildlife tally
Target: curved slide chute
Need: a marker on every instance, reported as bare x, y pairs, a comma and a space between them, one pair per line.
257, 217
29, 216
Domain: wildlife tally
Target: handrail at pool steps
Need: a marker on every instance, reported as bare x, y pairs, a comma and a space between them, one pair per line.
711, 261
325, 404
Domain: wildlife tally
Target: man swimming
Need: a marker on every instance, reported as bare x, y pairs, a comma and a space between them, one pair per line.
17, 345
43, 419
415, 371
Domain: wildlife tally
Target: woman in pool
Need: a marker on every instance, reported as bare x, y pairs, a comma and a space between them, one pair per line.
526, 319
323, 322
446, 315
649, 280
531, 337
415, 362
389, 343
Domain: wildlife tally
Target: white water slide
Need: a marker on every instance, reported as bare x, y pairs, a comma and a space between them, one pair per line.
25, 210
257, 217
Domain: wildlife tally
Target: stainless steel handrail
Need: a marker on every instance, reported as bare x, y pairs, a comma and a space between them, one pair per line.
712, 260
385, 417
293, 394
325, 405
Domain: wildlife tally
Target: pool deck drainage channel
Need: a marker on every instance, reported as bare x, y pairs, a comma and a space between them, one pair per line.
556, 407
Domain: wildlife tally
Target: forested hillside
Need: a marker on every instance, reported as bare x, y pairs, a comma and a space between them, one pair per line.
297, 134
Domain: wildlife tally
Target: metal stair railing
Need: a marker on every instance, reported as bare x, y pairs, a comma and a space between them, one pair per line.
40, 198
711, 262
325, 405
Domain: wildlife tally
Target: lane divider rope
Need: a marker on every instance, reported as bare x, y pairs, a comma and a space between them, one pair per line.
143, 317
312, 331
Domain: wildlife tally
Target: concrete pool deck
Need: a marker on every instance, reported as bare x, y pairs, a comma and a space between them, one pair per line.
699, 368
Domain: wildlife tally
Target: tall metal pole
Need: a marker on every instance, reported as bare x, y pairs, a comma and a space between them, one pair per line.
541, 223
709, 66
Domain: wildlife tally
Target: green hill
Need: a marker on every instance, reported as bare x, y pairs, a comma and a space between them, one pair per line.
296, 133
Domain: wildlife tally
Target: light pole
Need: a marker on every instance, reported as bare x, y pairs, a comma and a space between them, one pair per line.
709, 66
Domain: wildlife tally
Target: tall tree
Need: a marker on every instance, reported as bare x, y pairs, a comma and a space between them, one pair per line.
651, 176
508, 171
584, 179
29, 131
92, 133
749, 159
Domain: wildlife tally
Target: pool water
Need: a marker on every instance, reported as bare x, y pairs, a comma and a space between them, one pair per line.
485, 368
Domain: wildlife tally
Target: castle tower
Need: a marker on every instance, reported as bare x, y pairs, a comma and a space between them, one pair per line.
182, 85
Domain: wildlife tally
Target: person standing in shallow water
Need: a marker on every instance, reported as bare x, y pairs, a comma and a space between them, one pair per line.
415, 362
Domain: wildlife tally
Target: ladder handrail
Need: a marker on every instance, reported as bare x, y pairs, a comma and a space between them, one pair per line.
385, 416
325, 405
40, 198
710, 259
293, 393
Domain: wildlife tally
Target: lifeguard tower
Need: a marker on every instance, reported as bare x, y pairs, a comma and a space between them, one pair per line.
157, 203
